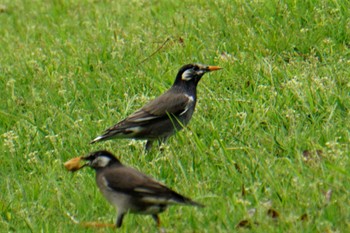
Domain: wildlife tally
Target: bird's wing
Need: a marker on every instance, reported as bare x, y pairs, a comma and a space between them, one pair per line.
132, 182
169, 103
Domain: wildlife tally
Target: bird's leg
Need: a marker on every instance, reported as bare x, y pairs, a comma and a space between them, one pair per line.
119, 220
156, 218
148, 145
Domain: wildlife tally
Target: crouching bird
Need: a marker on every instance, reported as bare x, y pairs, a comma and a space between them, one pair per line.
129, 190
163, 116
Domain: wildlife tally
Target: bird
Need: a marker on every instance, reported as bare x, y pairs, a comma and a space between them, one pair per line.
129, 190
166, 114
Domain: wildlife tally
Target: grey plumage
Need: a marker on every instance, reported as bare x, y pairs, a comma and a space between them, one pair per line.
130, 190
165, 115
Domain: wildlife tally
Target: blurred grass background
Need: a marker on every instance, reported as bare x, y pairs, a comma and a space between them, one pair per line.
266, 151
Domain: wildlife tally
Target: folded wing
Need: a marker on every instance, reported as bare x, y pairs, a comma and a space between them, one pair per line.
130, 181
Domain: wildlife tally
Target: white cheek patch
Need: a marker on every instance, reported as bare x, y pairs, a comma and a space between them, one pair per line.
187, 75
102, 161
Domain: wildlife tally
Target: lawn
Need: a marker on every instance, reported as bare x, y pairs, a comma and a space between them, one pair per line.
266, 151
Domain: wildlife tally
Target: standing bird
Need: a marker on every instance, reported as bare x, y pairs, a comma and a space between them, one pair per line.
165, 115
130, 190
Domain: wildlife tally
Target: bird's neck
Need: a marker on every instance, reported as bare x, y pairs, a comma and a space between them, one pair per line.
189, 88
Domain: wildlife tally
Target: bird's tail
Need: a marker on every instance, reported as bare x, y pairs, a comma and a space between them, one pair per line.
96, 140
107, 135
185, 200
116, 131
100, 138
193, 203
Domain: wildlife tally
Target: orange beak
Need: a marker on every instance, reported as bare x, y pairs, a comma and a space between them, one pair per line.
213, 68
74, 164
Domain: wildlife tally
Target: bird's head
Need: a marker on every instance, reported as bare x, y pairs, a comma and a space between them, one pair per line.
192, 73
100, 159
96, 160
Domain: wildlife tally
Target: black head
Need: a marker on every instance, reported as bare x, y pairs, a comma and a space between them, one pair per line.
192, 73
101, 159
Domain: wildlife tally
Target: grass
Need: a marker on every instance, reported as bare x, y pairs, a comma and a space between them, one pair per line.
266, 151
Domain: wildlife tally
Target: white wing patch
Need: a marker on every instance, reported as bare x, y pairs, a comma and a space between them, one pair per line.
155, 200
144, 119
189, 104
135, 130
160, 200
143, 190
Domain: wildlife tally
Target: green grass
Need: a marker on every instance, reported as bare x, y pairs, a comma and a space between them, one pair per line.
270, 132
